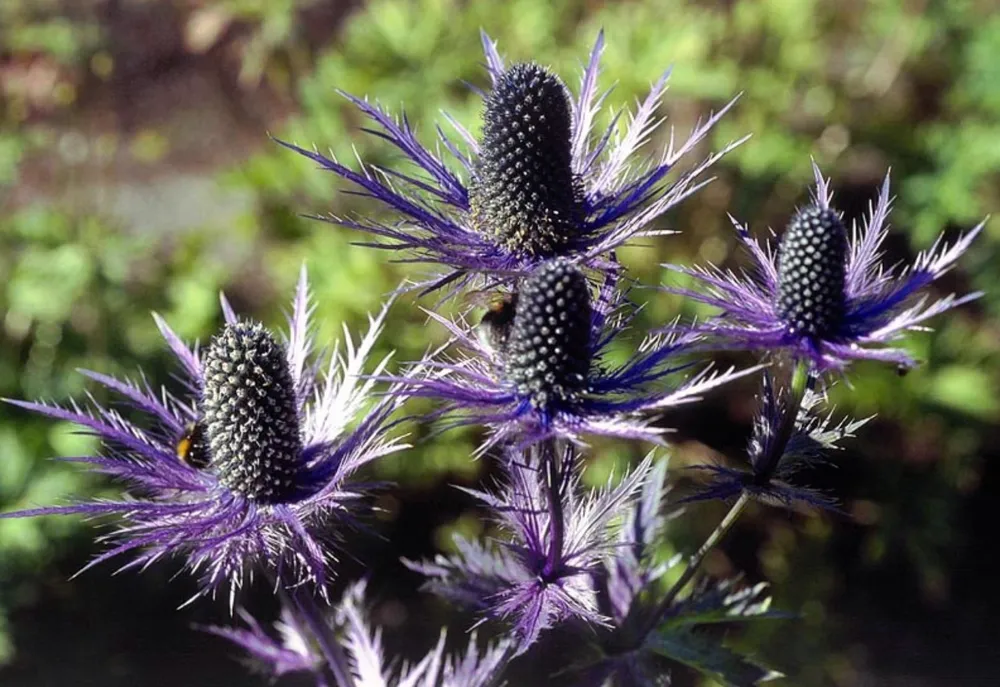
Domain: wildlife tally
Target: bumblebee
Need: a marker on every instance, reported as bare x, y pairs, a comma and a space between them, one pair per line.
494, 328
192, 446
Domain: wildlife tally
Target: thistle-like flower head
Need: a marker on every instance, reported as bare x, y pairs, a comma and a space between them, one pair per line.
824, 296
538, 184
811, 264
536, 368
245, 471
251, 415
548, 351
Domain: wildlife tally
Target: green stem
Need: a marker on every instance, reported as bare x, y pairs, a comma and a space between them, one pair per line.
796, 392
695, 562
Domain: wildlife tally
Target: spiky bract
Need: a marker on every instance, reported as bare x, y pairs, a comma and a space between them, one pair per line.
295, 650
776, 456
525, 579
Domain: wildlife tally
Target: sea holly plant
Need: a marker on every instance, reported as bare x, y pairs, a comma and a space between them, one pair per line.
823, 295
250, 466
540, 183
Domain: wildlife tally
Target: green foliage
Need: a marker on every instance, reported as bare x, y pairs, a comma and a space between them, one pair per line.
709, 657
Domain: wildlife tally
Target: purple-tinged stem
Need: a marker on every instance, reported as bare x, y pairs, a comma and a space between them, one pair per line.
553, 475
334, 654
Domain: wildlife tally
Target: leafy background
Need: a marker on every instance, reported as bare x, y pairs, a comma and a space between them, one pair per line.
136, 174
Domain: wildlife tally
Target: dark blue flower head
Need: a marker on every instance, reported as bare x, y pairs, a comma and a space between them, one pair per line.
536, 368
250, 415
547, 355
811, 266
247, 470
540, 183
524, 191
824, 296
777, 455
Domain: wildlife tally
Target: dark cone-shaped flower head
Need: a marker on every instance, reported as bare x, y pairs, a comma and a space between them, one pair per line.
548, 350
251, 415
542, 181
526, 193
246, 469
823, 296
813, 258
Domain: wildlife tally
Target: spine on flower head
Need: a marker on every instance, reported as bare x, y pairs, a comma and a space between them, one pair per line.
548, 350
525, 192
251, 414
812, 257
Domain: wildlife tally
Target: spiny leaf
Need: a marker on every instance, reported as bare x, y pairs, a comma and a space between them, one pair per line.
709, 658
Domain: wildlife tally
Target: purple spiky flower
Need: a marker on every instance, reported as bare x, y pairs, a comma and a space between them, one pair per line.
776, 455
246, 470
541, 184
824, 295
295, 650
539, 575
537, 370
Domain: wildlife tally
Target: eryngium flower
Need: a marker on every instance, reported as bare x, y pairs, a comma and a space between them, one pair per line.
548, 349
247, 469
540, 183
538, 373
823, 296
776, 456
251, 414
295, 650
629, 584
525, 191
541, 575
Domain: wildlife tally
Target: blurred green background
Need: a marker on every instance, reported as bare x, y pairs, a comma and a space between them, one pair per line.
136, 174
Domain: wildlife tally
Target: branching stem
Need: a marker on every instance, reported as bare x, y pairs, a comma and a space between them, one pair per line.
796, 392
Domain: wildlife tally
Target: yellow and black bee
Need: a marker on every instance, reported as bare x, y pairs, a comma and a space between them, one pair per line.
494, 328
192, 446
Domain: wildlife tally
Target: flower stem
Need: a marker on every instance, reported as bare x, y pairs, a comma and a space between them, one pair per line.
336, 658
796, 392
553, 475
496, 678
695, 562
